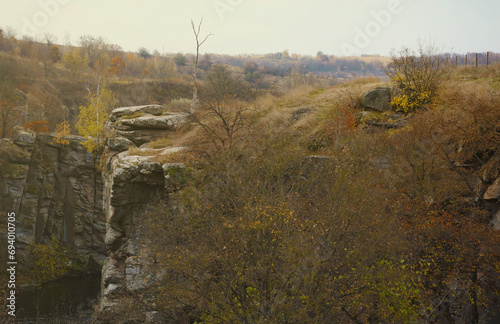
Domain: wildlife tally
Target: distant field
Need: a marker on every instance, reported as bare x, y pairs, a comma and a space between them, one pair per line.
373, 59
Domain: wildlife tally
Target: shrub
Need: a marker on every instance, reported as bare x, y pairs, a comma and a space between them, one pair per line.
51, 261
268, 234
181, 105
417, 76
13, 160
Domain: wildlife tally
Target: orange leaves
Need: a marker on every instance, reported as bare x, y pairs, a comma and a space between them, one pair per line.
38, 126
339, 121
117, 65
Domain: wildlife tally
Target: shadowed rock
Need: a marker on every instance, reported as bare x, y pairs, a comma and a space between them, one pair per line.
378, 99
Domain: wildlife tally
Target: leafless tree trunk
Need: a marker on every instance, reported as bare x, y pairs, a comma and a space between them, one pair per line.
199, 42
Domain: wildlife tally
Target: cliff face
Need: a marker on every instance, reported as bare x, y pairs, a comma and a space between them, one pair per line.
55, 191
132, 179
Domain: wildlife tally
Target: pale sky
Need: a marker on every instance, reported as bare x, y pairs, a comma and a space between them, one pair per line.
264, 26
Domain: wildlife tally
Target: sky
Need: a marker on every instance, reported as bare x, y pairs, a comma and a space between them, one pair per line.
335, 27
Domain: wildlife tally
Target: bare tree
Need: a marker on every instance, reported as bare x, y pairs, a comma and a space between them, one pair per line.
47, 62
10, 33
49, 40
96, 48
199, 42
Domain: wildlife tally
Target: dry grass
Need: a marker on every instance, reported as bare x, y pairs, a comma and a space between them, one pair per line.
160, 143
469, 73
374, 59
143, 151
365, 80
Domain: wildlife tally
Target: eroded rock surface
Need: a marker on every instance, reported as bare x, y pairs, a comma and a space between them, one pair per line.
54, 190
378, 99
133, 180
143, 124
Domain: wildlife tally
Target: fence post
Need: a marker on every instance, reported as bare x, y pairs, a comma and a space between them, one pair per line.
476, 60
456, 60
465, 59
488, 58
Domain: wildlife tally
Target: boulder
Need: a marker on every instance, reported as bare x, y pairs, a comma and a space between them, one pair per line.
168, 122
155, 110
23, 137
119, 144
378, 99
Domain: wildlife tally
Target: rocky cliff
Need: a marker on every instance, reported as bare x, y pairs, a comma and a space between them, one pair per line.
133, 179
54, 190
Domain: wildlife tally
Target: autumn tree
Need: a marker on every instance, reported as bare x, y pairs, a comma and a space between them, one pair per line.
253, 76
95, 49
322, 57
2, 40
117, 65
63, 131
144, 53
74, 61
180, 59
55, 54
162, 67
250, 67
10, 96
43, 103
38, 126
92, 118
224, 109
205, 62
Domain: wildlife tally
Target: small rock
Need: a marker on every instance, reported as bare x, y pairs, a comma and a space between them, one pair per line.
119, 144
299, 113
175, 176
381, 162
493, 191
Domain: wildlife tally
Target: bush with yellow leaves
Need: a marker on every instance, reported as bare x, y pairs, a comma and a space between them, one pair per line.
50, 260
417, 75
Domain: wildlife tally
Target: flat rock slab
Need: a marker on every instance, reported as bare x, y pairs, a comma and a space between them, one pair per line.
155, 110
168, 122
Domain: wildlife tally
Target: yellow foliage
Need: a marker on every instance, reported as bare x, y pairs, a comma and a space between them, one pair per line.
93, 117
411, 98
63, 130
50, 260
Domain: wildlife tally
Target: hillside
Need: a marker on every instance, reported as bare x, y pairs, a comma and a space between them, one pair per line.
286, 199
312, 205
